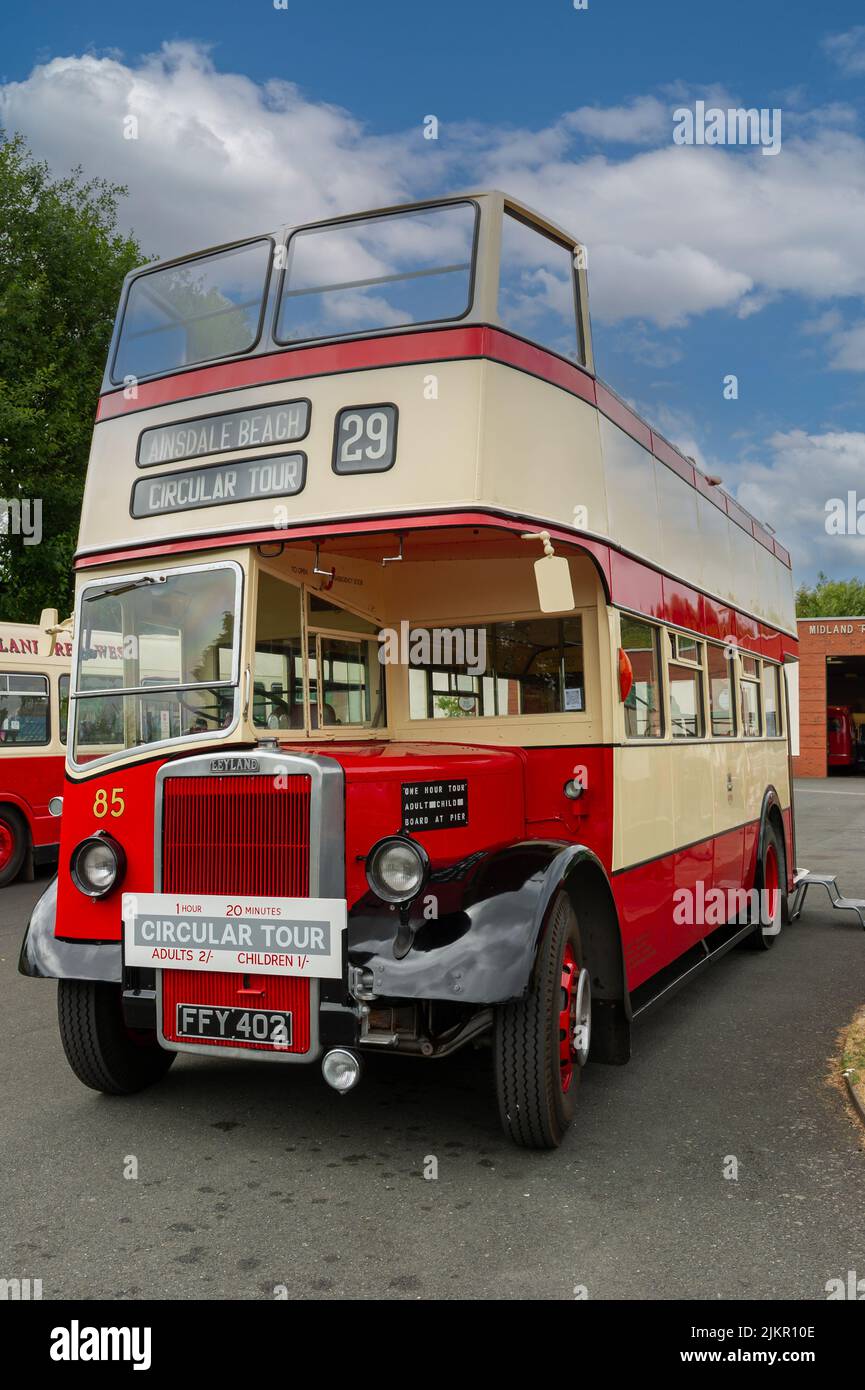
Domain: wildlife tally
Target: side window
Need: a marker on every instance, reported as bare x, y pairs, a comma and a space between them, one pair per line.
686, 687
346, 678
643, 717
277, 678
537, 288
749, 688
63, 699
498, 669
771, 700
24, 717
721, 703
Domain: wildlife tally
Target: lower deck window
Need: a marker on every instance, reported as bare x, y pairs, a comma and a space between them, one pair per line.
23, 710
497, 669
643, 717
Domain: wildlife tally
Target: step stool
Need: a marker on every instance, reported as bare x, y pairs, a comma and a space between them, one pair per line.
803, 880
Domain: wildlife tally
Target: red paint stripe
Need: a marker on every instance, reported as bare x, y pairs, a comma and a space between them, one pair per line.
664, 450
397, 349
622, 415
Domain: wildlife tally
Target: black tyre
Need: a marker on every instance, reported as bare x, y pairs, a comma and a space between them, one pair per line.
103, 1053
771, 881
14, 839
541, 1043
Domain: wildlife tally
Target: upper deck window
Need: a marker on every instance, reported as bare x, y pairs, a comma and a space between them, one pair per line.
200, 310
376, 273
537, 288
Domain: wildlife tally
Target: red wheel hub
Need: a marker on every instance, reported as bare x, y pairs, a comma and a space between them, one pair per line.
7, 843
568, 1017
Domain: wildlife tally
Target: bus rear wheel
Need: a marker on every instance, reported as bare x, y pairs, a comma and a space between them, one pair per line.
103, 1053
541, 1042
13, 844
772, 877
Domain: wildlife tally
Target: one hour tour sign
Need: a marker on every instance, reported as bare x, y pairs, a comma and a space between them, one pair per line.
285, 422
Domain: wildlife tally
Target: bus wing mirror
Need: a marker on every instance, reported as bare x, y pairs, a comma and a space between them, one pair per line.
553, 580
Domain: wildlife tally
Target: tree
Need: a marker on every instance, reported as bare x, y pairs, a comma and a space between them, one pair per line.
62, 263
831, 598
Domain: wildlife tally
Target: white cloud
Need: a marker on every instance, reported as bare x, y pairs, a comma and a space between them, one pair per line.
672, 232
847, 50
643, 121
217, 157
791, 487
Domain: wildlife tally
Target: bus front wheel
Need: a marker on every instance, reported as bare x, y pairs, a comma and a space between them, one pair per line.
13, 844
103, 1053
541, 1042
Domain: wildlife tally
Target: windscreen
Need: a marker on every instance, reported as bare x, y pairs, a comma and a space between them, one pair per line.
203, 309
378, 272
156, 659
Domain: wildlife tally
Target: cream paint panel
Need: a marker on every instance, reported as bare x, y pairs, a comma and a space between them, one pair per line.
716, 569
491, 435
693, 802
632, 500
458, 590
669, 795
683, 547
436, 462
540, 450
727, 766
643, 820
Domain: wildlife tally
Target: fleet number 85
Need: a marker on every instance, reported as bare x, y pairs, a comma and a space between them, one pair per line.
103, 807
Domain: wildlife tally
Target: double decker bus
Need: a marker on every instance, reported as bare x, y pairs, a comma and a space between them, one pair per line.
423, 695
34, 696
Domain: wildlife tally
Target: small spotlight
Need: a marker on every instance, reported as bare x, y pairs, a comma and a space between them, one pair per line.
341, 1069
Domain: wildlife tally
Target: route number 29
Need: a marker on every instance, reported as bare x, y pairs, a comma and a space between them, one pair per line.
103, 807
365, 439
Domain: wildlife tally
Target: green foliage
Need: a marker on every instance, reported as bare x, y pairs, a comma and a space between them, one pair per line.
831, 598
62, 263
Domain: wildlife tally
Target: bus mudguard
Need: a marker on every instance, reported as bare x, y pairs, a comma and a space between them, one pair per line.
472, 936
45, 956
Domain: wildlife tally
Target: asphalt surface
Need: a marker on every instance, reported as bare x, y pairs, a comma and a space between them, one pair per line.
252, 1176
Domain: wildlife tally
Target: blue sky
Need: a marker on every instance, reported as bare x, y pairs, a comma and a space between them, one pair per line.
701, 262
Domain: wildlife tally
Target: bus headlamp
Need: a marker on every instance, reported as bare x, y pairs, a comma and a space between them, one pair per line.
97, 865
397, 869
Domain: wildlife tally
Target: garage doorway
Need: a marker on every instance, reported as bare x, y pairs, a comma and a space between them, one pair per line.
845, 715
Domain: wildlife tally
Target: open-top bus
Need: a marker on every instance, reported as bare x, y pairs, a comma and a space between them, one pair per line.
34, 695
423, 694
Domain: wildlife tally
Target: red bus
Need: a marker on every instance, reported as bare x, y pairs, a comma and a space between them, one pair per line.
841, 740
424, 696
34, 696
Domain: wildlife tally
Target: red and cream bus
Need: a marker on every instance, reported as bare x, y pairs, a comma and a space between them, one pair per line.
423, 695
34, 698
